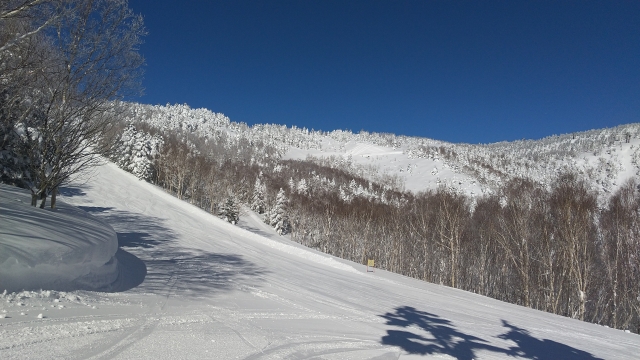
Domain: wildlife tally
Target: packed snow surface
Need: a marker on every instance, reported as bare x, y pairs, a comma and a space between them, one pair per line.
191, 286
64, 248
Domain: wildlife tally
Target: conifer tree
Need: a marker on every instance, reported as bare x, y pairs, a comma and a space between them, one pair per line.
257, 199
302, 187
279, 216
229, 210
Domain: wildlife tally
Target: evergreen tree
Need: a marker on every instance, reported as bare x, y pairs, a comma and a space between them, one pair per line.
229, 210
302, 187
257, 199
278, 215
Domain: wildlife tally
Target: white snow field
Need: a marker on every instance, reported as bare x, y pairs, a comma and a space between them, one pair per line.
191, 286
416, 174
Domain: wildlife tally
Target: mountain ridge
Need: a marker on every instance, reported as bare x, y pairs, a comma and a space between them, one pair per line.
603, 156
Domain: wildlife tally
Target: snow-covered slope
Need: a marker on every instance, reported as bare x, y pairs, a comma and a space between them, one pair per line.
193, 286
605, 157
417, 174
58, 249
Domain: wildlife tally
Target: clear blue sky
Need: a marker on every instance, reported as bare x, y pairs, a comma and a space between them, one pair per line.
460, 71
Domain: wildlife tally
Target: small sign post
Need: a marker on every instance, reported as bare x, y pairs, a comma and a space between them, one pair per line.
370, 264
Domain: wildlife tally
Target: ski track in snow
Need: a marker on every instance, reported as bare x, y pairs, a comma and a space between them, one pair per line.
193, 286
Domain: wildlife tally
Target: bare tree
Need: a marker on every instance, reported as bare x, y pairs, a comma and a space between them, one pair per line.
17, 95
452, 217
620, 223
93, 59
573, 208
484, 250
517, 234
38, 14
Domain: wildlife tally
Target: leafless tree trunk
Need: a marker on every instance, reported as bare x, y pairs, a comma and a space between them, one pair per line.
573, 209
91, 59
517, 235
452, 215
620, 223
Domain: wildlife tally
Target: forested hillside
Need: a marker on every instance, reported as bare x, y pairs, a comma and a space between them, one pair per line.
554, 227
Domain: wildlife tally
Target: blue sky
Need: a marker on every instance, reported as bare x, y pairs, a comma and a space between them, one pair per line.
460, 71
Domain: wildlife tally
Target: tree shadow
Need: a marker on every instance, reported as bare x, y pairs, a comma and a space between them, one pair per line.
152, 261
529, 347
71, 191
435, 335
134, 239
94, 209
441, 338
257, 231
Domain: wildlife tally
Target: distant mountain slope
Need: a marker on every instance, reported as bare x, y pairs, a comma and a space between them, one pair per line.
605, 157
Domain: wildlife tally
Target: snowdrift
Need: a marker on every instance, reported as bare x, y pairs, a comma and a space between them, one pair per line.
62, 249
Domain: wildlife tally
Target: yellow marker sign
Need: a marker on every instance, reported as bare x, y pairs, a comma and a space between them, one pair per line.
370, 265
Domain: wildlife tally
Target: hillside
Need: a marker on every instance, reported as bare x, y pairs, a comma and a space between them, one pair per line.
550, 224
202, 288
132, 230
606, 157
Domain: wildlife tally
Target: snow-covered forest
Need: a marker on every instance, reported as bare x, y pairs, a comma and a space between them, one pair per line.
550, 224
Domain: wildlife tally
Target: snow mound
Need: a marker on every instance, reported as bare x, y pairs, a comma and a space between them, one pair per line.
62, 249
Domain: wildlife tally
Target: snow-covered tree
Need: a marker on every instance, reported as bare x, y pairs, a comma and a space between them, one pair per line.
230, 211
257, 199
345, 195
87, 52
279, 218
137, 152
302, 188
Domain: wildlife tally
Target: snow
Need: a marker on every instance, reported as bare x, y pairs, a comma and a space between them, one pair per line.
192, 286
607, 168
62, 249
605, 157
416, 174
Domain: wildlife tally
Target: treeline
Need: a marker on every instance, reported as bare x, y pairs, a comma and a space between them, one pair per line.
208, 173
548, 249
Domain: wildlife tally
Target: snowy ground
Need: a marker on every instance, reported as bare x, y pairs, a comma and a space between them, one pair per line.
416, 174
65, 247
192, 286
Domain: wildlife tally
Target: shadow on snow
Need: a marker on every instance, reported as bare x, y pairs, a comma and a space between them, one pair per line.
71, 191
443, 338
530, 347
151, 261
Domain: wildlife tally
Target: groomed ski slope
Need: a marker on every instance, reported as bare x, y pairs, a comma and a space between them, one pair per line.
194, 287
